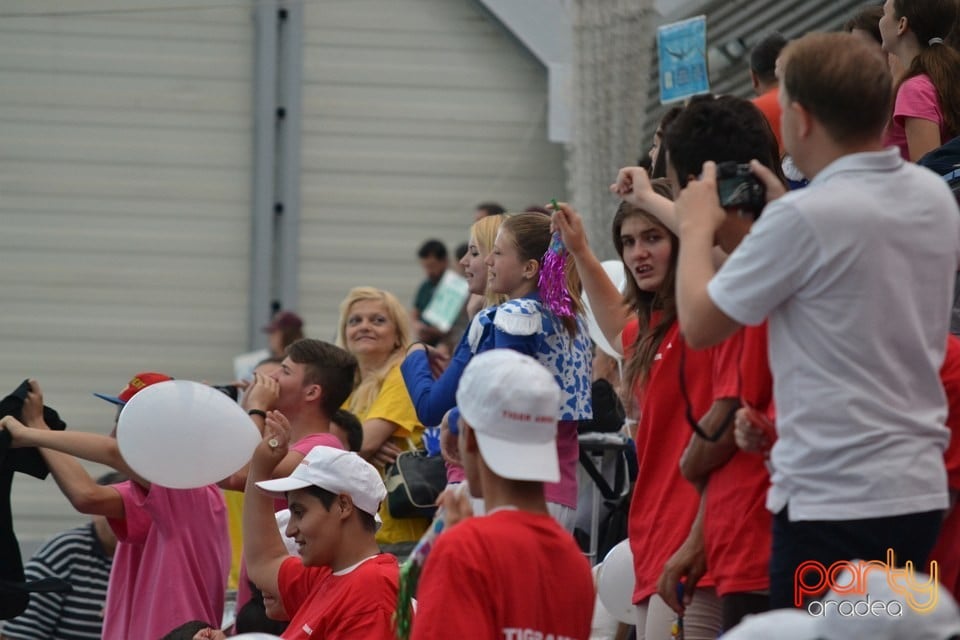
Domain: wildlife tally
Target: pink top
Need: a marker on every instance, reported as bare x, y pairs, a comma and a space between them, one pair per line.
916, 98
171, 562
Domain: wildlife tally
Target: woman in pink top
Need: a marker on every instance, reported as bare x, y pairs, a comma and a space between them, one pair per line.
926, 111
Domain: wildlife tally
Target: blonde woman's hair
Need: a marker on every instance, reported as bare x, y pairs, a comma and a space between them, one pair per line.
367, 388
484, 231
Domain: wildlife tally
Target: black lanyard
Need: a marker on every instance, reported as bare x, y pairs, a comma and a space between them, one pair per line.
688, 406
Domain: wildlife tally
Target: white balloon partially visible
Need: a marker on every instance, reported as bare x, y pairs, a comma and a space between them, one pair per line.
614, 270
616, 581
182, 434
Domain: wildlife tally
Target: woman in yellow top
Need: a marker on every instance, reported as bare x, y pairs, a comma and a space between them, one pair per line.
375, 329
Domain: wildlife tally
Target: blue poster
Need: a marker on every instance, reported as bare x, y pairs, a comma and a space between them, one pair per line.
682, 47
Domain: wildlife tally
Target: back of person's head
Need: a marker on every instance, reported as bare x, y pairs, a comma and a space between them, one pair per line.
659, 168
351, 427
490, 208
933, 21
432, 248
461, 250
867, 20
516, 432
530, 234
327, 365
188, 630
763, 58
721, 129
840, 80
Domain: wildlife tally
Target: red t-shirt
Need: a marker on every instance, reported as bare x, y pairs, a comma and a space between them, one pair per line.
358, 605
947, 551
664, 504
510, 575
738, 539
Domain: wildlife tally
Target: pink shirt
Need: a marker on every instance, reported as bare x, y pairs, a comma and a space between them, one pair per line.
916, 98
171, 562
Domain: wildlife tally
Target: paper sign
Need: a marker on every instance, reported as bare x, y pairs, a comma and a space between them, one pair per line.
682, 48
448, 299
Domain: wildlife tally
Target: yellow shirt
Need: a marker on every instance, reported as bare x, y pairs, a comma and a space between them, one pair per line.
394, 405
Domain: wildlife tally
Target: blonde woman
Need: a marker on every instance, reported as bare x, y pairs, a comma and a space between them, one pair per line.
434, 397
374, 327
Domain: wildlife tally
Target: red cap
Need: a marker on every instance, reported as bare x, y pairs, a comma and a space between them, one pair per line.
283, 320
138, 382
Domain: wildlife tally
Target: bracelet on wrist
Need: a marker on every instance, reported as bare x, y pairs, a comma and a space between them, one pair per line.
257, 412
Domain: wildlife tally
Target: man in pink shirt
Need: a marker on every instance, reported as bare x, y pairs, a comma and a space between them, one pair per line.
173, 552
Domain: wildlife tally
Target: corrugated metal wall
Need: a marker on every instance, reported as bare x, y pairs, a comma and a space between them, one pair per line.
124, 173
735, 26
413, 112
124, 205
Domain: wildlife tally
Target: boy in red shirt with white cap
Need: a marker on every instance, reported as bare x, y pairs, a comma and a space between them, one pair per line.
485, 576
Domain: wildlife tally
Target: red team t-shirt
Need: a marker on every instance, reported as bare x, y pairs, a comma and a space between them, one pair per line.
357, 605
737, 524
664, 504
510, 575
947, 550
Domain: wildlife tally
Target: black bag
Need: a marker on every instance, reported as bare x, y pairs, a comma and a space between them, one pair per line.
608, 413
414, 482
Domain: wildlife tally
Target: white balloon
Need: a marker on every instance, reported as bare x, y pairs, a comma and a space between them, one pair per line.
182, 434
614, 270
616, 581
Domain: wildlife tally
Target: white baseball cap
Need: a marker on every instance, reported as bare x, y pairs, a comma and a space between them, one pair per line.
942, 621
512, 402
336, 471
782, 624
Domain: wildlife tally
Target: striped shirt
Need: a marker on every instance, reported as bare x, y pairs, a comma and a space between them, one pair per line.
77, 557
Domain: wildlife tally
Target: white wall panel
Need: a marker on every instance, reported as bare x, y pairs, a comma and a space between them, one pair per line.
125, 152
413, 112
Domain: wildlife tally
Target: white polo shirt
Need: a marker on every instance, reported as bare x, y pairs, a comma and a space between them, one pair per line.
855, 275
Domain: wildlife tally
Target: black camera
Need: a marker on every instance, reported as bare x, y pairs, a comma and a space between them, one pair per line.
229, 389
738, 188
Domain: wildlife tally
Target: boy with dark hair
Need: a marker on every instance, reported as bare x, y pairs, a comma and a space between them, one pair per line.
341, 587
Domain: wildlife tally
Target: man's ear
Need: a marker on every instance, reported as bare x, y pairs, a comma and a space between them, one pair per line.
805, 119
471, 439
344, 506
313, 392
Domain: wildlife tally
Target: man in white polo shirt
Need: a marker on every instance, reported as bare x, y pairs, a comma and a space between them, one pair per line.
854, 274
